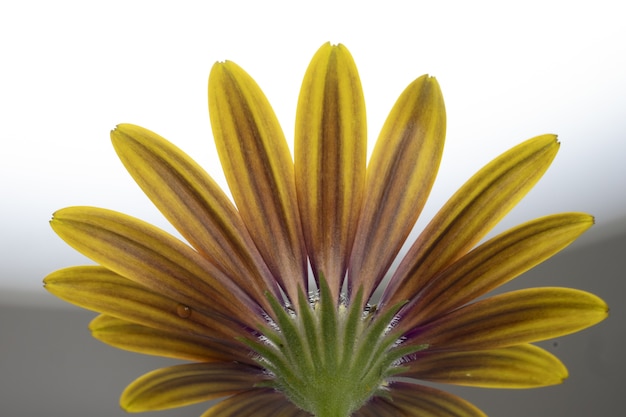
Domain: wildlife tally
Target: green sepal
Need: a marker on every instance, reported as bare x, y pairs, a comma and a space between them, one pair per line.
328, 322
274, 361
372, 336
269, 357
393, 356
351, 327
401, 351
329, 358
272, 335
307, 324
292, 347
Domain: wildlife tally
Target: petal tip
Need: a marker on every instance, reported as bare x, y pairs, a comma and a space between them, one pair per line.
221, 67
120, 127
54, 219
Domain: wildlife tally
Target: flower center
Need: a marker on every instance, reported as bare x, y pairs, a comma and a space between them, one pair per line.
330, 359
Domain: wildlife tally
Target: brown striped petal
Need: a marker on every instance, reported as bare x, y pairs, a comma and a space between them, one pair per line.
421, 401
99, 289
195, 205
521, 366
180, 385
330, 158
259, 170
522, 316
378, 407
142, 253
135, 337
400, 175
260, 402
470, 213
494, 263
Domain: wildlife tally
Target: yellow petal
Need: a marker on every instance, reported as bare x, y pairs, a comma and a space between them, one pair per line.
419, 401
98, 289
494, 263
330, 158
400, 175
144, 254
470, 213
259, 170
195, 205
522, 366
378, 407
181, 385
135, 337
522, 316
260, 402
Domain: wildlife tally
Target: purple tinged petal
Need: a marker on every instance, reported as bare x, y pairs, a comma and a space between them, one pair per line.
135, 337
469, 214
260, 173
508, 319
421, 401
330, 157
378, 407
494, 263
181, 385
195, 205
98, 289
400, 174
142, 253
260, 402
520, 366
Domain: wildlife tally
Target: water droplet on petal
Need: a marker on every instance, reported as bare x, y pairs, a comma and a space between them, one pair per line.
183, 311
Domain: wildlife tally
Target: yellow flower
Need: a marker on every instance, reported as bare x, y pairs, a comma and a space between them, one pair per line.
236, 300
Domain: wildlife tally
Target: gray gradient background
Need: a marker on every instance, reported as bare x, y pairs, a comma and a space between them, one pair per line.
51, 366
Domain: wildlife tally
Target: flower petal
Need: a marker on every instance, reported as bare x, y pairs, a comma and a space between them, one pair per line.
470, 213
101, 290
260, 402
521, 366
378, 407
400, 175
330, 157
259, 170
522, 316
195, 205
153, 258
135, 337
180, 385
494, 263
420, 401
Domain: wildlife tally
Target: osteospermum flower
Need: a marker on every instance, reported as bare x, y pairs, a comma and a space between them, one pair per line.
237, 301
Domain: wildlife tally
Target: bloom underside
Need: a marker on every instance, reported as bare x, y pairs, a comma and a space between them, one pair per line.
235, 299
